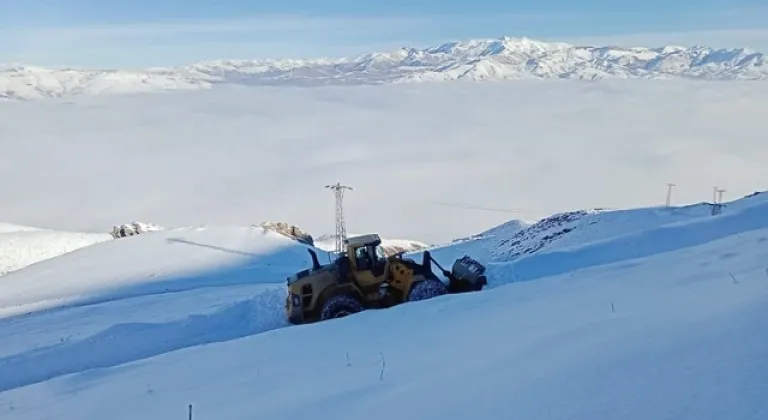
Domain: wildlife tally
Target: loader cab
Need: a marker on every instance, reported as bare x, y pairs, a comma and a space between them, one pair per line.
367, 259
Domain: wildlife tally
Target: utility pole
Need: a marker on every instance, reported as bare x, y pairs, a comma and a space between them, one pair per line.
669, 194
341, 228
717, 199
720, 196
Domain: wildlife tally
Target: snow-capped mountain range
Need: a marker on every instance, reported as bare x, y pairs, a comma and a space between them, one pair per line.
474, 60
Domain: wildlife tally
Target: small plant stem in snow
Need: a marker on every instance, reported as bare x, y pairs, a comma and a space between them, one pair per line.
383, 366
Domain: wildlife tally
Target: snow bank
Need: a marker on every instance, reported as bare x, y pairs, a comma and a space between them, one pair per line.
166, 261
21, 246
144, 295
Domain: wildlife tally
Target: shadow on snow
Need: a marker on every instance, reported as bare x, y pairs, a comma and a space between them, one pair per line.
129, 342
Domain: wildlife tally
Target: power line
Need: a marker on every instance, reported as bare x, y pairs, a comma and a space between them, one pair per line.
341, 228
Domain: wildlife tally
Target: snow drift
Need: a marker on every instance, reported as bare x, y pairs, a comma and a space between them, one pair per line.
21, 246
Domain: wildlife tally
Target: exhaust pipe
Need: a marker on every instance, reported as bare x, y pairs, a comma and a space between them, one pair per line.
315, 262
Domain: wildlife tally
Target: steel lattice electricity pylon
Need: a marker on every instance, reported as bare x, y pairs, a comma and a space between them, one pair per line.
341, 228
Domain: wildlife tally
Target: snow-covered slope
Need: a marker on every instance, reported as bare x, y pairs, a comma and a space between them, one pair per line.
635, 229
167, 261
666, 318
482, 59
21, 246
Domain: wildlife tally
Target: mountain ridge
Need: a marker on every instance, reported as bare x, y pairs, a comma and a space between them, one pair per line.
476, 60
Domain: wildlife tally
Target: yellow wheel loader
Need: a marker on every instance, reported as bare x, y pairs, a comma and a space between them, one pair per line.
363, 278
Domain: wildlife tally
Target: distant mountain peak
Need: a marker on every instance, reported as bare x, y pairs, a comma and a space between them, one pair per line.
504, 58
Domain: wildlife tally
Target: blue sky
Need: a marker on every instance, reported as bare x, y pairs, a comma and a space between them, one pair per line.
112, 33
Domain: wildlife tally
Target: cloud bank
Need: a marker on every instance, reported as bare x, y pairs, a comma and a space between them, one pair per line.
246, 155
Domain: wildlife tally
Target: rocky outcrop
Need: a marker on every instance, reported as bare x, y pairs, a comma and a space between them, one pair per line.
539, 235
134, 228
291, 231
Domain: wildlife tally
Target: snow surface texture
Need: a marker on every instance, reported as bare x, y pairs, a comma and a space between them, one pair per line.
474, 60
21, 246
664, 321
442, 153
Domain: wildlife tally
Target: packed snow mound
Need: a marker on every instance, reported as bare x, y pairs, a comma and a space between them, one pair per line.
171, 260
134, 228
636, 339
22, 246
473, 60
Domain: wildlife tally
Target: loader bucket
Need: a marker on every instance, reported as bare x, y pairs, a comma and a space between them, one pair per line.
467, 274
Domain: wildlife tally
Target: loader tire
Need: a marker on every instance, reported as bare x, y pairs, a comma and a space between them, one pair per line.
427, 289
340, 306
